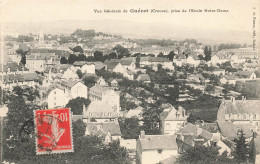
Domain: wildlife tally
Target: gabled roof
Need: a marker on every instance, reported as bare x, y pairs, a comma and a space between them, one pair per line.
239, 106
81, 63
154, 59
99, 65
171, 115
230, 130
13, 67
243, 73
52, 87
229, 77
99, 89
135, 112
195, 131
100, 109
143, 77
95, 128
111, 64
155, 142
70, 83
127, 61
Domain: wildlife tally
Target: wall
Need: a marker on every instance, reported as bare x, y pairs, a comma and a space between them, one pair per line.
152, 156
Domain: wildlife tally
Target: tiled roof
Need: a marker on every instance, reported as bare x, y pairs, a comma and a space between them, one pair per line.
70, 83
111, 64
95, 128
98, 89
229, 77
99, 65
127, 61
100, 109
154, 59
134, 112
144, 77
81, 63
155, 142
13, 67
19, 77
195, 131
41, 56
229, 130
243, 73
238, 106
171, 115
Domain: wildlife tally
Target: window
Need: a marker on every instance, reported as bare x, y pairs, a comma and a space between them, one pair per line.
159, 151
54, 104
54, 98
167, 126
244, 116
55, 92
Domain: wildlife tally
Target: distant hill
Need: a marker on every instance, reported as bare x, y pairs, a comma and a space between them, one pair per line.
130, 29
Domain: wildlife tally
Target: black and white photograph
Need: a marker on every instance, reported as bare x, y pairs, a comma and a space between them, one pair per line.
129, 82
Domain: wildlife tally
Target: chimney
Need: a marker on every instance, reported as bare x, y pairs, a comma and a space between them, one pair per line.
142, 134
233, 99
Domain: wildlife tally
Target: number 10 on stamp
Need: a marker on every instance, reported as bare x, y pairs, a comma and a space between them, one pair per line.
53, 131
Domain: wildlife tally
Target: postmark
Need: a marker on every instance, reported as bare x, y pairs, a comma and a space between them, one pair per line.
53, 131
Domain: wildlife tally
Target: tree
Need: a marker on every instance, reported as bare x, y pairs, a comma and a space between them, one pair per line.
72, 58
98, 56
151, 118
171, 55
80, 74
77, 49
112, 55
63, 60
76, 105
160, 54
89, 81
130, 128
199, 154
121, 51
82, 57
23, 55
207, 53
241, 152
210, 89
252, 150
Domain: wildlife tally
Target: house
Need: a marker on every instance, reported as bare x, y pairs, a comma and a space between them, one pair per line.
75, 88
117, 67
198, 78
13, 68
56, 97
25, 79
150, 149
245, 76
129, 63
112, 82
193, 60
144, 78
101, 81
99, 111
234, 115
99, 66
154, 61
64, 72
85, 67
228, 79
137, 112
218, 72
39, 61
191, 135
180, 60
105, 94
172, 119
107, 130
14, 58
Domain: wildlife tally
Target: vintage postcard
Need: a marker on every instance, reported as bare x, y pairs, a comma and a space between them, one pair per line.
118, 82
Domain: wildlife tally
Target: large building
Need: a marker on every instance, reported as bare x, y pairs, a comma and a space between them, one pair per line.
235, 115
105, 94
151, 149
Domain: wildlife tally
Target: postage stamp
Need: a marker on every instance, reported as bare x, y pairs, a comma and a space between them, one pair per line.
53, 131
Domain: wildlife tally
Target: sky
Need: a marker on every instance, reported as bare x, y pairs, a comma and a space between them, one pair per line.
238, 18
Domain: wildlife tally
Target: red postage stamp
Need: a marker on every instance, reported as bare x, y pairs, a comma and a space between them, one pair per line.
53, 131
